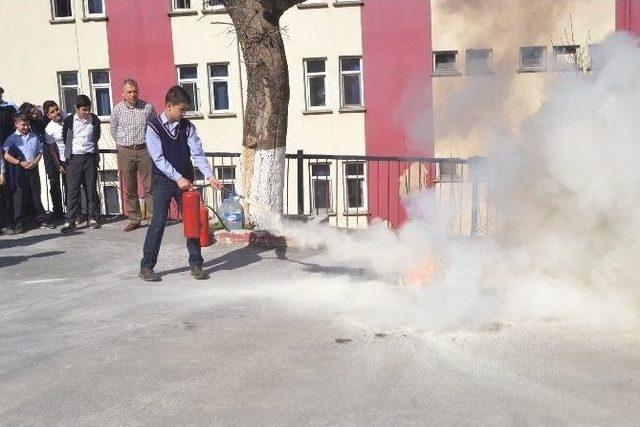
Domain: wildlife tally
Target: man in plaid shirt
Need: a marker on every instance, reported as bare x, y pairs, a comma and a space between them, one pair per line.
128, 128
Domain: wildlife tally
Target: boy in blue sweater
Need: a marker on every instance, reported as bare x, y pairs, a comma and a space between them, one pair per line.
172, 141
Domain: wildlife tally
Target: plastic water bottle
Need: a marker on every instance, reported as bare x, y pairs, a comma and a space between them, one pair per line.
231, 212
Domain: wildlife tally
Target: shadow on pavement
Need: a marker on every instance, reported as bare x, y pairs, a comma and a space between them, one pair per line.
237, 258
7, 261
15, 241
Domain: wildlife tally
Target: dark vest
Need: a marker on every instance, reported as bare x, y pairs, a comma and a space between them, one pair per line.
174, 148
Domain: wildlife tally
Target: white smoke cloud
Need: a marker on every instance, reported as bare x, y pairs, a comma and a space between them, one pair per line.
568, 244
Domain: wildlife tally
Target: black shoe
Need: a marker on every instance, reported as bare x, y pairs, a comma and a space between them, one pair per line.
94, 224
68, 227
7, 231
148, 275
198, 273
46, 224
18, 229
56, 217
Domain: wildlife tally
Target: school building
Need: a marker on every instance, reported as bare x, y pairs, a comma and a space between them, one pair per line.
409, 78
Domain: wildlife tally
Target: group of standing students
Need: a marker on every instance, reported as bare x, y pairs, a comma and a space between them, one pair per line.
160, 149
69, 149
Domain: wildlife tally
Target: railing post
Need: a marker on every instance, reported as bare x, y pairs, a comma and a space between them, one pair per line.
477, 172
300, 179
474, 208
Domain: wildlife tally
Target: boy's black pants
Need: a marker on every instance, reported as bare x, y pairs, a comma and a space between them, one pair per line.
25, 192
54, 183
82, 168
6, 206
55, 190
164, 189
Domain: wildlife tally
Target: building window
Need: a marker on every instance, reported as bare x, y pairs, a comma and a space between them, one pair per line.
227, 176
62, 9
565, 58
532, 58
219, 88
321, 187
181, 4
315, 79
101, 92
354, 186
313, 3
94, 8
351, 82
212, 6
479, 61
188, 79
449, 172
445, 63
68, 90
111, 198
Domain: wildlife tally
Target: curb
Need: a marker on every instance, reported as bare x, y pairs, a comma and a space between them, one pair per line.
259, 238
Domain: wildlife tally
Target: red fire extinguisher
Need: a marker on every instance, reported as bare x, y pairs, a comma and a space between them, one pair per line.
205, 238
191, 214
195, 218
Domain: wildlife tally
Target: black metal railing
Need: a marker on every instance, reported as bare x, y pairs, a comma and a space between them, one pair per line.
351, 190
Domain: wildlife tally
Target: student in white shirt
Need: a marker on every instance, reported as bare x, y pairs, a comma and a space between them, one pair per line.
81, 133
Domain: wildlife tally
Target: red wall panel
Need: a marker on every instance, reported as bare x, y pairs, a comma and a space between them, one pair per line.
396, 38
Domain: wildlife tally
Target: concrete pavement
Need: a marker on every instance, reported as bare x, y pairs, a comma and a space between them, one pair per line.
272, 340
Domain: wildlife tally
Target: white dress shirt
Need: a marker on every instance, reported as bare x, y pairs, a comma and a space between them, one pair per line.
53, 134
82, 135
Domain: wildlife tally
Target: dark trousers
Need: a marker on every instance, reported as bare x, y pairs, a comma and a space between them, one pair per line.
65, 192
53, 174
164, 189
6, 207
55, 190
82, 168
27, 193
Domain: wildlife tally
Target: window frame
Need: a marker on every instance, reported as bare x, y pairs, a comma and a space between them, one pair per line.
174, 4
348, 210
532, 69
218, 171
196, 92
62, 88
88, 15
338, 3
489, 68
454, 72
449, 172
315, 178
311, 4
307, 86
565, 67
55, 18
207, 8
212, 80
342, 74
112, 185
94, 86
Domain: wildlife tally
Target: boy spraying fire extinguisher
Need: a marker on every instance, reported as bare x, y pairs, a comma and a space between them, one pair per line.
172, 142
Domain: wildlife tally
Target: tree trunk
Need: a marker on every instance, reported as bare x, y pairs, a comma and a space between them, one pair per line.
261, 172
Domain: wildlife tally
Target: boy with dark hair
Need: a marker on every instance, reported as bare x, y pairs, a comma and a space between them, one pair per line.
38, 123
172, 141
81, 132
23, 151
